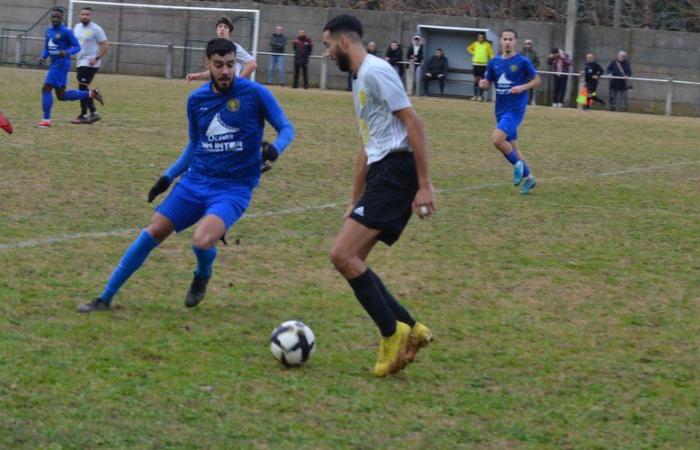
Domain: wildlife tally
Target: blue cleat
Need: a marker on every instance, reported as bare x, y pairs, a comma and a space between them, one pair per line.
529, 185
518, 169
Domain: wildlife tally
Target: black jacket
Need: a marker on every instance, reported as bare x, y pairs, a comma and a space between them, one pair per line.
302, 50
277, 43
614, 70
593, 69
437, 65
418, 56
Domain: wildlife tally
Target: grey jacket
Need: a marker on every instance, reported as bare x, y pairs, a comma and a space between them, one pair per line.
277, 43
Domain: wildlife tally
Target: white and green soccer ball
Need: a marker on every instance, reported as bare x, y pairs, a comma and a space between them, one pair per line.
292, 343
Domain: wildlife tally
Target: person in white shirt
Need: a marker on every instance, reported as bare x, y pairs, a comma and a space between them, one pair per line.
392, 180
93, 45
245, 63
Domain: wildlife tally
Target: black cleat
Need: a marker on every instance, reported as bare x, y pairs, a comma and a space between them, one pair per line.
96, 305
196, 292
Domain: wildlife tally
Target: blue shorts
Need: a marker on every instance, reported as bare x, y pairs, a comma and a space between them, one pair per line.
57, 77
193, 198
508, 122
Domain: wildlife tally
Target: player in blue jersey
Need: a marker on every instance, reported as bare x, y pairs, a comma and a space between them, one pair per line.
514, 75
221, 168
60, 44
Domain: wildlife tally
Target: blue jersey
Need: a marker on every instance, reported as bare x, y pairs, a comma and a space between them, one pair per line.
226, 130
57, 39
506, 73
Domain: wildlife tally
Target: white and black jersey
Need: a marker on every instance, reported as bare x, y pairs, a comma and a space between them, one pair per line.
378, 93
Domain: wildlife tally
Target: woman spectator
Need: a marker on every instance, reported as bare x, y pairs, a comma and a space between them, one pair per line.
559, 62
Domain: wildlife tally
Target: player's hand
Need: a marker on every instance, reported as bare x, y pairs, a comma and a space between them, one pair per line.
483, 84
62, 53
517, 89
190, 77
161, 186
42, 61
265, 167
93, 61
269, 152
424, 201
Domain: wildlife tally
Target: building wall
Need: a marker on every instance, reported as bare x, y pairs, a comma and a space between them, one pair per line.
654, 54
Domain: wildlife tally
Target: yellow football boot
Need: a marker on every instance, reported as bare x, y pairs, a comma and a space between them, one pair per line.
392, 350
420, 337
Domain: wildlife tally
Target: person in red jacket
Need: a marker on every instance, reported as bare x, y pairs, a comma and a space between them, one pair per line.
5, 124
303, 47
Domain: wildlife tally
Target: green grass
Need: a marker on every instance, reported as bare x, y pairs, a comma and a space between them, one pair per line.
566, 319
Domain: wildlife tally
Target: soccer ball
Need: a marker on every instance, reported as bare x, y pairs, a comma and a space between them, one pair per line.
292, 343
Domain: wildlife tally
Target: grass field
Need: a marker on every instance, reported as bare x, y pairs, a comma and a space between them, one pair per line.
566, 319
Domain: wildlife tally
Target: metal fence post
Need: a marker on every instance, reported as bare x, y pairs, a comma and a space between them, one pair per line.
169, 55
410, 78
324, 73
18, 49
669, 97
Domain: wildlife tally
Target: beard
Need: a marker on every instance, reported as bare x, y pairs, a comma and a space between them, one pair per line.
218, 87
343, 62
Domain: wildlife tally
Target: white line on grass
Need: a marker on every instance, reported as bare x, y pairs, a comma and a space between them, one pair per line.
279, 212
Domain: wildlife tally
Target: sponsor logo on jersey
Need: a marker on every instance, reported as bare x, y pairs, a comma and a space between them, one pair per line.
233, 105
220, 137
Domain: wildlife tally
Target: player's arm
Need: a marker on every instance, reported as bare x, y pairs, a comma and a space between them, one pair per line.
418, 142
358, 182
249, 68
103, 45
183, 162
45, 52
489, 76
248, 63
275, 116
471, 48
198, 76
74, 44
532, 84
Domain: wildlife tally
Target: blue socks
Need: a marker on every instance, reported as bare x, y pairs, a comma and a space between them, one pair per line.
135, 255
513, 158
46, 104
205, 259
74, 95
47, 100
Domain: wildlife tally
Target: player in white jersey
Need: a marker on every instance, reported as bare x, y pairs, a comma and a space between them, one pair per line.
93, 47
392, 180
245, 63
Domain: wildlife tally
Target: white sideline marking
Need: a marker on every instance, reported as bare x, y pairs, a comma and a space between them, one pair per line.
279, 212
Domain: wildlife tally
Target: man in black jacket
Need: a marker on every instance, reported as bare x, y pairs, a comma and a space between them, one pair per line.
278, 42
302, 50
592, 71
436, 69
619, 67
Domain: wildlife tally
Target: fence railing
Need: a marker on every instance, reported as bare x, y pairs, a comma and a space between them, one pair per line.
411, 82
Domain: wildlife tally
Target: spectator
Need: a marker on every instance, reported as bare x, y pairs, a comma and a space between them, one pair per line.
559, 62
482, 53
302, 50
415, 51
592, 72
371, 50
278, 42
619, 67
530, 53
393, 56
436, 69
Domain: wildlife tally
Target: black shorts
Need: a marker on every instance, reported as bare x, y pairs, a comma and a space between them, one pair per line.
479, 71
390, 187
86, 74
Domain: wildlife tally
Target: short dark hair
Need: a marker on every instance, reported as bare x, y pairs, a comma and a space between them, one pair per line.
58, 9
86, 8
481, 33
220, 46
510, 30
344, 23
226, 21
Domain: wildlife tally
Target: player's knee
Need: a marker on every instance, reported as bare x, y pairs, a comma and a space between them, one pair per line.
60, 96
204, 241
340, 259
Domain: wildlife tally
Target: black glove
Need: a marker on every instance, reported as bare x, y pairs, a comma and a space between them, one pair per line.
265, 167
161, 186
269, 152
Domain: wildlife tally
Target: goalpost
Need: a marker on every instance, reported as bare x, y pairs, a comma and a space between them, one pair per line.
204, 32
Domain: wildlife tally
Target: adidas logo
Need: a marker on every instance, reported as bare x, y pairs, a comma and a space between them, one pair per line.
360, 211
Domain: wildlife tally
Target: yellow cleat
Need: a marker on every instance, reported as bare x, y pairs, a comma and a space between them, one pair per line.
420, 337
392, 350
